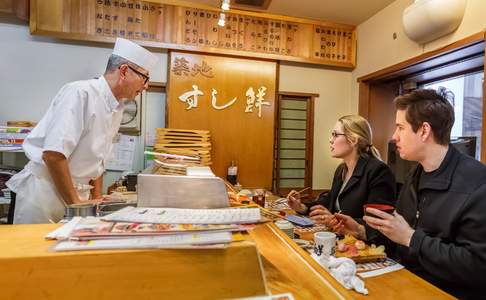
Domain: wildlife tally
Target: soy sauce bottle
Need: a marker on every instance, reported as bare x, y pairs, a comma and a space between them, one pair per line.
232, 173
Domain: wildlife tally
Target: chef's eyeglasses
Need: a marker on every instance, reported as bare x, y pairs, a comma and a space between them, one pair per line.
335, 134
145, 77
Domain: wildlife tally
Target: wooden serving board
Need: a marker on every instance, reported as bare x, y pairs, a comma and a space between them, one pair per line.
182, 131
184, 142
194, 145
361, 259
194, 139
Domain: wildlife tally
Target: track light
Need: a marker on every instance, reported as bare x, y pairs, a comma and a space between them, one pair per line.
225, 5
221, 19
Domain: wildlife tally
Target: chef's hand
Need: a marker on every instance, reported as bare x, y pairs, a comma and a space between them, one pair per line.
393, 226
321, 215
95, 196
348, 226
96, 201
293, 200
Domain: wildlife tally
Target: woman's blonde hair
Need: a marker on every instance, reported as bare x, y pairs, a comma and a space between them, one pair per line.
357, 128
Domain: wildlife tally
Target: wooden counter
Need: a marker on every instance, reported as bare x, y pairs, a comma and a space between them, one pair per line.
289, 268
29, 271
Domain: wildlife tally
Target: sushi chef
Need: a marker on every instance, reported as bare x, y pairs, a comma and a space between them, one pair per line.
69, 147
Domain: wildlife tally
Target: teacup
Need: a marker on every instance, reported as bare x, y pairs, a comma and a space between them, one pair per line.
324, 243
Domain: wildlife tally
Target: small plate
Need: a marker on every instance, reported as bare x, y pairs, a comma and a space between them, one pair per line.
302, 243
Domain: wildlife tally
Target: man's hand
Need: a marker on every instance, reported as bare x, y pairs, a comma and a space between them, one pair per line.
96, 201
96, 192
393, 226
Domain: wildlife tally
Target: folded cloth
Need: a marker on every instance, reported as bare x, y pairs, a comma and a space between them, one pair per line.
343, 269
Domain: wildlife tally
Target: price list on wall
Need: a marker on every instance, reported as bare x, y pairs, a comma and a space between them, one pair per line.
128, 19
245, 33
171, 26
332, 43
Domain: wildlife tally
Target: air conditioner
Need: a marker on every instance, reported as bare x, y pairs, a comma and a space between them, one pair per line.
427, 20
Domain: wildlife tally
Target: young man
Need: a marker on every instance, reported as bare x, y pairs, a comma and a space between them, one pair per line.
68, 148
440, 219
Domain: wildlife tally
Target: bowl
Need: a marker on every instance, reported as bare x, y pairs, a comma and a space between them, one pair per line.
79, 210
383, 207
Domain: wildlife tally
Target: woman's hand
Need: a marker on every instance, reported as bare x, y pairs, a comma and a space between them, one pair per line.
293, 200
322, 216
348, 226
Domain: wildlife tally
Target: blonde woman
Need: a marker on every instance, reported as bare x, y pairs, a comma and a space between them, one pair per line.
361, 179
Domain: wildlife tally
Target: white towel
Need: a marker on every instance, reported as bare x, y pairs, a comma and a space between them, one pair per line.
344, 271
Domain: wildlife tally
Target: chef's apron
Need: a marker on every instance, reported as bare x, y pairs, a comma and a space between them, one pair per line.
38, 200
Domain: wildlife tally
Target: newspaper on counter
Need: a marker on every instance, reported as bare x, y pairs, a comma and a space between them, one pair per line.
95, 228
91, 233
159, 242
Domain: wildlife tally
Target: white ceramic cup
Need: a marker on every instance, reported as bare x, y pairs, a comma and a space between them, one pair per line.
286, 227
324, 243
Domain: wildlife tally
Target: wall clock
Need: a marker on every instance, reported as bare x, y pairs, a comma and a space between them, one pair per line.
131, 120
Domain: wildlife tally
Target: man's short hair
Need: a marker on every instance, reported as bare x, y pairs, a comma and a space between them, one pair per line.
427, 105
114, 62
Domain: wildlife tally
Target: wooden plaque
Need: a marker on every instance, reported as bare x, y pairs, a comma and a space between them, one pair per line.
236, 102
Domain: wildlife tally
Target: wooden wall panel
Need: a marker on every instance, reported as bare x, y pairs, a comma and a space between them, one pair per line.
190, 26
381, 115
236, 135
17, 8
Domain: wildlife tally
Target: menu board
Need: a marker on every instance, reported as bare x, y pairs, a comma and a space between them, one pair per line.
165, 25
136, 20
243, 33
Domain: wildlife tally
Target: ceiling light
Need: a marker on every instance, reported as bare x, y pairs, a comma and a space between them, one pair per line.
225, 5
221, 19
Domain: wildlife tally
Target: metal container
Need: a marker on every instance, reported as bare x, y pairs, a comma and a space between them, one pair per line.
108, 208
155, 190
79, 210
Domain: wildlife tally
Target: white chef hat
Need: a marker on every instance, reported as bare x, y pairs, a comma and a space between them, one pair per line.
135, 53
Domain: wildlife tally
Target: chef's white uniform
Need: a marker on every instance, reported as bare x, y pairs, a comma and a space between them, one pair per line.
81, 123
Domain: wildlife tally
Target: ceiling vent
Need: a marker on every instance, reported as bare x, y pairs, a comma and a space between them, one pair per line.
251, 4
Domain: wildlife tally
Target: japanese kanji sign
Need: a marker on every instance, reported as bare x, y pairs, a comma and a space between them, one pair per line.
234, 98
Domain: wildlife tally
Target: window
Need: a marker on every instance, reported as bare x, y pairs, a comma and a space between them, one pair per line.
294, 140
467, 92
